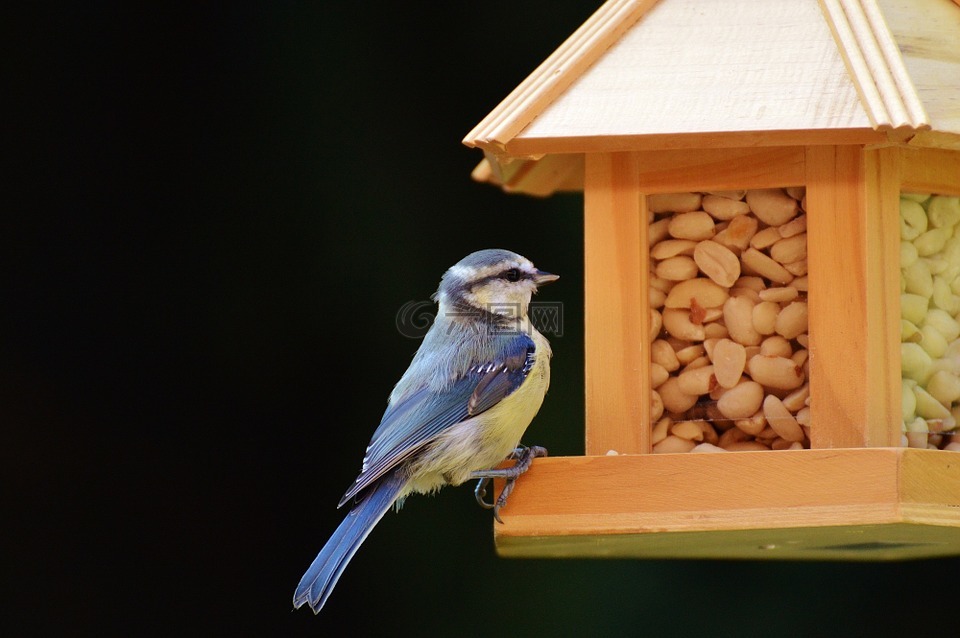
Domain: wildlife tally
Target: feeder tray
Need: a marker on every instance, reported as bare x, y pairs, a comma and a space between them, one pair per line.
847, 109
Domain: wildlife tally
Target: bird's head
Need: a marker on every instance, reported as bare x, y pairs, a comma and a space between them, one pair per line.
493, 281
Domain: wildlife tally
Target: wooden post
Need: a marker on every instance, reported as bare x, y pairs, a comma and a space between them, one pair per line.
617, 324
854, 375
882, 233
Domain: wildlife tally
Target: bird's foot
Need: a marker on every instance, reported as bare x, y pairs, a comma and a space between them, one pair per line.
524, 458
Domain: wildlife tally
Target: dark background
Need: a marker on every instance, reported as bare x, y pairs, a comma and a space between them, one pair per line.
213, 218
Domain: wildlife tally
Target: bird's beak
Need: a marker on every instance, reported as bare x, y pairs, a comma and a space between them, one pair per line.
544, 277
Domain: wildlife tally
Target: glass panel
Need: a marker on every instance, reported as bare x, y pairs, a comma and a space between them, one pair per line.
929, 327
728, 284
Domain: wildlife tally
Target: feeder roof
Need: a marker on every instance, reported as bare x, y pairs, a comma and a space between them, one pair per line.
648, 74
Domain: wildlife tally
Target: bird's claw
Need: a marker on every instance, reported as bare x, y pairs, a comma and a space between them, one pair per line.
481, 491
524, 458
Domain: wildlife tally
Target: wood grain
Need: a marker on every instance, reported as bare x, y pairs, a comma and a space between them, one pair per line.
672, 171
899, 502
556, 73
849, 306
617, 317
930, 170
927, 33
882, 418
694, 67
874, 64
529, 146
539, 178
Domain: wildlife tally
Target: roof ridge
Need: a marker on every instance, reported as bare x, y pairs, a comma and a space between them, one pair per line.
556, 73
875, 65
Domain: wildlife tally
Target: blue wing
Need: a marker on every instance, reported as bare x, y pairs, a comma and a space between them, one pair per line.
412, 423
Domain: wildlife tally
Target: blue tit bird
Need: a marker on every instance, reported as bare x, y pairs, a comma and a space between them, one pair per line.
472, 388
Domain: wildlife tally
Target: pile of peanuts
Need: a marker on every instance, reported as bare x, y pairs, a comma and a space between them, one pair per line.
728, 303
930, 320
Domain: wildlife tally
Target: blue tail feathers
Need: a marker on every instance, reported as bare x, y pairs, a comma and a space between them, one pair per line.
322, 575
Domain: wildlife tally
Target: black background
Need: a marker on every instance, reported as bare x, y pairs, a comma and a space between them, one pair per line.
213, 219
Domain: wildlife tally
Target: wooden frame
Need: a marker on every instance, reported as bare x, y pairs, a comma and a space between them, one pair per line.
854, 504
855, 495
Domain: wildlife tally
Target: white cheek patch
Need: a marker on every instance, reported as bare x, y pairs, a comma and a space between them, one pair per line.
501, 297
481, 296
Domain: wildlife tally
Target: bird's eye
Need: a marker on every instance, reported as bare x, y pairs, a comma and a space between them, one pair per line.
511, 275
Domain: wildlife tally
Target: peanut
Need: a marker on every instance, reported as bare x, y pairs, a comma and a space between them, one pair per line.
657, 297
697, 381
731, 437
658, 374
673, 444
681, 268
724, 208
663, 354
764, 317
779, 295
941, 211
689, 430
772, 206
738, 317
657, 231
796, 400
918, 279
790, 249
792, 320
776, 346
913, 219
696, 225
656, 323
944, 387
780, 373
677, 322
932, 241
796, 268
711, 447
913, 307
794, 227
753, 425
781, 420
674, 202
742, 400
672, 248
707, 294
688, 356
674, 399
715, 330
738, 233
661, 428
765, 238
945, 324
765, 266
729, 359
656, 405
717, 262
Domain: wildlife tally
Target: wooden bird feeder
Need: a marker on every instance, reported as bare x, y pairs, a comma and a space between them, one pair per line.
772, 273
